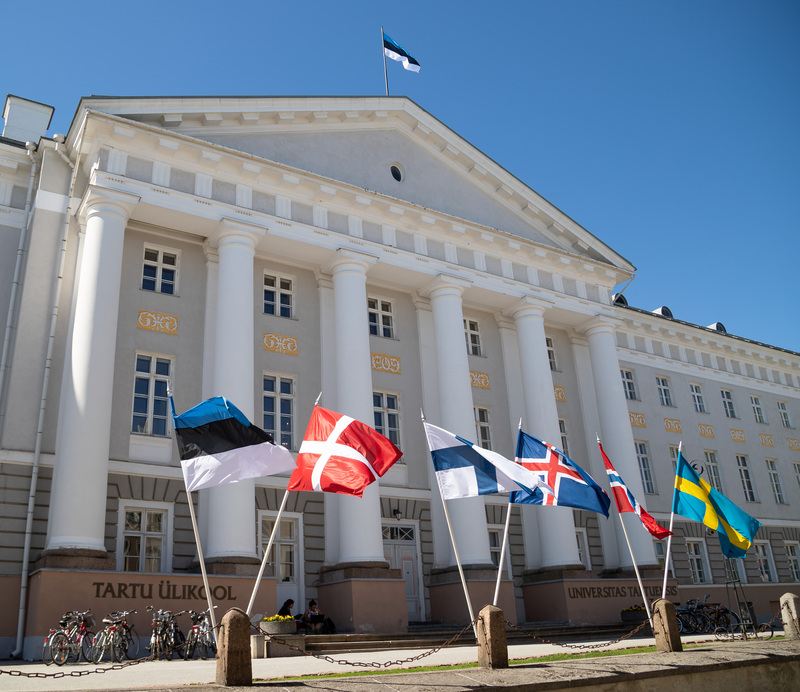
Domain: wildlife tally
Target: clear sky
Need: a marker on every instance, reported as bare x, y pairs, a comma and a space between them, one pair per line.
669, 129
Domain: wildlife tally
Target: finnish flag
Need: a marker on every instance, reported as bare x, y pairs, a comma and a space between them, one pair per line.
464, 469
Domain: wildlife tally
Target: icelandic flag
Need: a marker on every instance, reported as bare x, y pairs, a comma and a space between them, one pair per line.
341, 455
572, 486
218, 445
626, 502
465, 470
395, 51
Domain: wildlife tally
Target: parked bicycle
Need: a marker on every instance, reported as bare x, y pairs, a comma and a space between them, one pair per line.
118, 638
200, 639
73, 639
166, 638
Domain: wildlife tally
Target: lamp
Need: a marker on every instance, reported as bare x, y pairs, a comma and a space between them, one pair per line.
398, 515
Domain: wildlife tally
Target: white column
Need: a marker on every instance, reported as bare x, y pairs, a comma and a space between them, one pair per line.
80, 477
556, 526
456, 415
360, 537
232, 507
616, 434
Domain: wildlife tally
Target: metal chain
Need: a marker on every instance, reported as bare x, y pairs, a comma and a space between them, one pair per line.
73, 673
578, 646
362, 664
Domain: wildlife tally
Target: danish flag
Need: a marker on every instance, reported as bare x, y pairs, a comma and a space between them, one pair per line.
341, 455
626, 502
572, 486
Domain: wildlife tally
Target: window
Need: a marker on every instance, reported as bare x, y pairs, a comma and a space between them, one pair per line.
278, 296
673, 455
744, 476
285, 546
698, 567
278, 404
562, 426
551, 353
473, 337
712, 470
160, 271
775, 481
797, 471
482, 429
793, 556
758, 412
661, 556
628, 384
144, 530
697, 398
496, 548
727, 403
766, 567
642, 456
150, 400
734, 571
664, 395
583, 548
386, 411
783, 412
381, 320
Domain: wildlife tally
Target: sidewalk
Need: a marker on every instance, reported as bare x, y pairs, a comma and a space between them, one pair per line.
157, 676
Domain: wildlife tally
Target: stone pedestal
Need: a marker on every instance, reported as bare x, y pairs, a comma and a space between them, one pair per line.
492, 644
665, 626
234, 666
790, 615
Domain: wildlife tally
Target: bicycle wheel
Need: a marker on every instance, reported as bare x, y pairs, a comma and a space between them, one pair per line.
191, 646
117, 646
60, 648
764, 631
131, 637
98, 646
701, 622
87, 641
685, 624
47, 656
208, 647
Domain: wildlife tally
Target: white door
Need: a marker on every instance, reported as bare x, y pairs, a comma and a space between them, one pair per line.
286, 559
400, 550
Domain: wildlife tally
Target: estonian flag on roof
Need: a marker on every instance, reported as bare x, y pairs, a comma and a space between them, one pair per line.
217, 444
395, 51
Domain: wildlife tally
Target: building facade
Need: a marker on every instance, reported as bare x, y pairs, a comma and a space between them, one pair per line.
269, 249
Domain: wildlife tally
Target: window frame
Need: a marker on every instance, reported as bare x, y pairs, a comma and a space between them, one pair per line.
472, 337
775, 481
386, 429
793, 559
698, 401
551, 354
629, 384
758, 409
159, 265
714, 477
645, 469
126, 506
498, 530
562, 428
664, 391
483, 426
727, 403
279, 397
783, 412
154, 379
702, 576
278, 303
748, 486
768, 575
582, 540
383, 324
296, 518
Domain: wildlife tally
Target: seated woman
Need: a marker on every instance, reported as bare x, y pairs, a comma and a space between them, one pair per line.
313, 618
286, 608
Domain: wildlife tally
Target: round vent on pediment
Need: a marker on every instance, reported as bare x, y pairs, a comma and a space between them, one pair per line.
397, 171
664, 311
619, 299
718, 327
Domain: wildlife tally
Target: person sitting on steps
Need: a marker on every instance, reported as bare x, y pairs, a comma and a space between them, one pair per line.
313, 618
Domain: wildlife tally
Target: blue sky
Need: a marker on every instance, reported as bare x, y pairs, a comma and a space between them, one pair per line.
667, 129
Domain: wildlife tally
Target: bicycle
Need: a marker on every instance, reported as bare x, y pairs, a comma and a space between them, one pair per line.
166, 638
74, 639
118, 638
200, 638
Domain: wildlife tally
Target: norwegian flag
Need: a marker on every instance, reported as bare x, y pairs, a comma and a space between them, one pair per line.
572, 486
341, 455
626, 502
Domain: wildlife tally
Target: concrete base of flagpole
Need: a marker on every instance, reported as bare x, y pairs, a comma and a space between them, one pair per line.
234, 662
492, 643
790, 615
665, 626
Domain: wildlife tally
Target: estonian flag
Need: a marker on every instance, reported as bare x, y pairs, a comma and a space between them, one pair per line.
218, 445
395, 51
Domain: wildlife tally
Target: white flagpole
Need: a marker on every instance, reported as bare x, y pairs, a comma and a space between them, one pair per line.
385, 73
636, 569
502, 556
202, 563
671, 520
266, 553
455, 548
194, 526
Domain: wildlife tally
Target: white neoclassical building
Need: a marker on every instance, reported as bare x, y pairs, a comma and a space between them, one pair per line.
268, 249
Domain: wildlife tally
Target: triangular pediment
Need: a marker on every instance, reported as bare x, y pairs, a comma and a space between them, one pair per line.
357, 141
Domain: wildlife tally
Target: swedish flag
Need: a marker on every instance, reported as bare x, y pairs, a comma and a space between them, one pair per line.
695, 499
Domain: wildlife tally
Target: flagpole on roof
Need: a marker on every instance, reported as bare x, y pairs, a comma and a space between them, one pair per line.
385, 73
453, 541
267, 549
671, 520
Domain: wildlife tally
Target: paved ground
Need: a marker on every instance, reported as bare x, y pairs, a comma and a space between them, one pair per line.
199, 676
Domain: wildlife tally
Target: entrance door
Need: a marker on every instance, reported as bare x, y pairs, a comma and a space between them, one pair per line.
285, 558
400, 549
